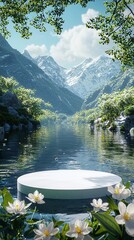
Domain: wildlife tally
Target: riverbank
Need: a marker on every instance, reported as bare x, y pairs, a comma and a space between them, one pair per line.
13, 116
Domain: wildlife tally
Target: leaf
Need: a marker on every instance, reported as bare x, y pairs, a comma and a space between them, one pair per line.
58, 223
100, 231
7, 197
65, 229
112, 204
109, 223
128, 185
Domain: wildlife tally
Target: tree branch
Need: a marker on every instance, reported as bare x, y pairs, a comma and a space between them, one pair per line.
129, 8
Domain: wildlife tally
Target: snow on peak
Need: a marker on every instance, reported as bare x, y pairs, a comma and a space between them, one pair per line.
84, 78
51, 68
91, 75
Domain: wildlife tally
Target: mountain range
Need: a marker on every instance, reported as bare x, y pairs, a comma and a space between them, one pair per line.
68, 90
123, 80
84, 78
28, 74
90, 79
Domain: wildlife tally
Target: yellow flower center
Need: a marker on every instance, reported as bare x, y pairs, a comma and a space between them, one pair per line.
117, 191
36, 198
126, 216
78, 230
46, 233
17, 207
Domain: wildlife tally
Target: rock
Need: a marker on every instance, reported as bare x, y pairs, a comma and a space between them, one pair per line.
10, 99
13, 112
98, 120
7, 127
2, 133
132, 132
30, 126
14, 127
21, 126
113, 127
129, 122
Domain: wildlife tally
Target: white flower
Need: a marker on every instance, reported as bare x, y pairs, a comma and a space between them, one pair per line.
99, 205
36, 197
119, 192
79, 230
45, 232
17, 207
126, 217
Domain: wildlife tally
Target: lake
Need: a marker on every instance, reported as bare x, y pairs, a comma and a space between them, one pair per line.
65, 147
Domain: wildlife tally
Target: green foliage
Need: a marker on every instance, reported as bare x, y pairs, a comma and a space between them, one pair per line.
115, 25
110, 106
30, 106
129, 110
49, 117
7, 84
84, 116
110, 225
45, 12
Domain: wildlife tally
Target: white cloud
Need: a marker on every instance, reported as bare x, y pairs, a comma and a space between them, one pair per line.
37, 50
91, 13
74, 45
77, 43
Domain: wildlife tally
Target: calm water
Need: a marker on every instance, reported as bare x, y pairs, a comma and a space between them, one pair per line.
65, 147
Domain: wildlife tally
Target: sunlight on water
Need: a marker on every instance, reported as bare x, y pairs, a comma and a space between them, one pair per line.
65, 147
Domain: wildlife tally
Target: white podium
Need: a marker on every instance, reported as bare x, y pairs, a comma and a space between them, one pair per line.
68, 184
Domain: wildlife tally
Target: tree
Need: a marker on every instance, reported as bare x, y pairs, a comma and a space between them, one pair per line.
111, 106
37, 13
7, 84
116, 24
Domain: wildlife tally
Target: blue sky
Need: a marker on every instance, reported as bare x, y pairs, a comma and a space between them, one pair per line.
76, 42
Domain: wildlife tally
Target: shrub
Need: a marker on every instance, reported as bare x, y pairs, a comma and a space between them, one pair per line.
129, 110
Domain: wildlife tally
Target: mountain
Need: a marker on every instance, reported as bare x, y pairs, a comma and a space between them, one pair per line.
28, 74
82, 79
4, 44
90, 75
27, 55
123, 80
51, 68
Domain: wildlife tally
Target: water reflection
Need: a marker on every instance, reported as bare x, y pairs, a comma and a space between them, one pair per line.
65, 147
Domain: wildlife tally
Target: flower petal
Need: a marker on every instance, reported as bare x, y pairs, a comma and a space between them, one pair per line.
111, 189
37, 232
72, 234
130, 227
100, 201
122, 208
126, 193
130, 208
119, 219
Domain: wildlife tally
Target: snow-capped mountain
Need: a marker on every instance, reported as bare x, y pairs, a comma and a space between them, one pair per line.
84, 78
51, 68
29, 75
91, 75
